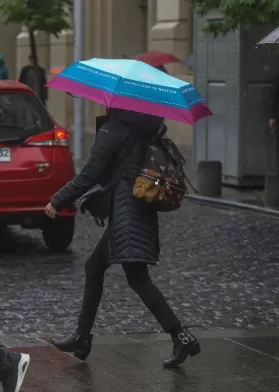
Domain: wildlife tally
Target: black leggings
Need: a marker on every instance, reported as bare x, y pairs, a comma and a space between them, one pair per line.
138, 278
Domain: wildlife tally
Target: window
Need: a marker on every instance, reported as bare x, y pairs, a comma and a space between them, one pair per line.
22, 115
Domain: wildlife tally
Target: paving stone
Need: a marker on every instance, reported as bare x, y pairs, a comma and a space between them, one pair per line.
219, 268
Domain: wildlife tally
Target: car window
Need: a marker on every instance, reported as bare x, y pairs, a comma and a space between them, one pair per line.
22, 114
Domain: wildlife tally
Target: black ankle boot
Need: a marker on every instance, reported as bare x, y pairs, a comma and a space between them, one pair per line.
184, 344
79, 345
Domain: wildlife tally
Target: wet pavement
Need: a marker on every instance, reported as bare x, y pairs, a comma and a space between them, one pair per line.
219, 269
237, 361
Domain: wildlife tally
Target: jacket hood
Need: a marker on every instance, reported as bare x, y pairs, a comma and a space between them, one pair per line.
139, 121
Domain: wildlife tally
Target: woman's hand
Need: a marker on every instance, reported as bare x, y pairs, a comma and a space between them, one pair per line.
50, 211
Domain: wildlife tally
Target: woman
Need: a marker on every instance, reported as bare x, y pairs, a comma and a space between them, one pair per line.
132, 237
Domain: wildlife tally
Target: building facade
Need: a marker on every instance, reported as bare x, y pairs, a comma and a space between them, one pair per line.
113, 29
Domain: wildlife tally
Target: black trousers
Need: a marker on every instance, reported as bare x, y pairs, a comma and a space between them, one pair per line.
138, 279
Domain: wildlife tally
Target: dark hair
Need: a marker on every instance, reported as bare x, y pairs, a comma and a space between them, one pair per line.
162, 68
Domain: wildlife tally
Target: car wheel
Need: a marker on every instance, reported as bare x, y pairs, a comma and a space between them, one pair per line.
58, 233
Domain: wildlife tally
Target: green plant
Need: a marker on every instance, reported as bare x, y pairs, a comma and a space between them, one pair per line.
50, 16
246, 13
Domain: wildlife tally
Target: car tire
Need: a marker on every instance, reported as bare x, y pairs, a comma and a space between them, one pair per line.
58, 233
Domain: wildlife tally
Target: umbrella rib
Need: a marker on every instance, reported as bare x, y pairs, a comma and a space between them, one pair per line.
114, 92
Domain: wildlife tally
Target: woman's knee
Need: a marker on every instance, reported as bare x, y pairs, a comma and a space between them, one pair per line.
137, 276
94, 270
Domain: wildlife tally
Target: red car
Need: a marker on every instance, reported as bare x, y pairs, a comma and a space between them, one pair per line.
35, 162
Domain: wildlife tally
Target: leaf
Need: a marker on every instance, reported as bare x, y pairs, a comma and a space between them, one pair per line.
50, 16
236, 13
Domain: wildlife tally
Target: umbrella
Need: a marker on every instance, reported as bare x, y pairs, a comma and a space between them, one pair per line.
271, 38
156, 59
132, 85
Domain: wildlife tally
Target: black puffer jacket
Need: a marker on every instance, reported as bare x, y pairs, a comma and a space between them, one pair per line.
133, 224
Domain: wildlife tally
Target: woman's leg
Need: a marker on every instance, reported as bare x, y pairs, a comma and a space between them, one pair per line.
95, 268
184, 343
80, 342
138, 278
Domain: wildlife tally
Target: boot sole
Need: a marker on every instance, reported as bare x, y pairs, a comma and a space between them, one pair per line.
195, 350
81, 356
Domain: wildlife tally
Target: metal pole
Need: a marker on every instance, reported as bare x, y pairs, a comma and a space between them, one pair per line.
79, 19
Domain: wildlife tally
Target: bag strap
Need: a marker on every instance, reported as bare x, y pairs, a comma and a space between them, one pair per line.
121, 171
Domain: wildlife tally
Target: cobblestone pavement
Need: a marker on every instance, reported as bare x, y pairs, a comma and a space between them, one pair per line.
219, 268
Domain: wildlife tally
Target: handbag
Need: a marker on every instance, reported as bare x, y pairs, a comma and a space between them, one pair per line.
96, 201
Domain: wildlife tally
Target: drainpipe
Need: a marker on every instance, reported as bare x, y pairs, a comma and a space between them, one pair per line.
79, 112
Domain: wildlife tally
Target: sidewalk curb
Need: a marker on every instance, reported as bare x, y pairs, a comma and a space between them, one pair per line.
233, 204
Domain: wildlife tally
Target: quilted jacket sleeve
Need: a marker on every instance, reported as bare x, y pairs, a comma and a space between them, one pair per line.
108, 142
